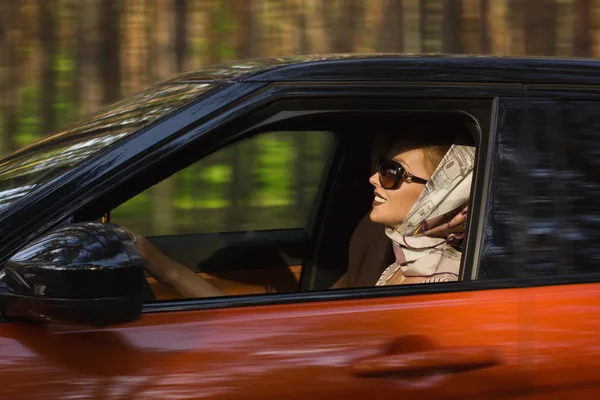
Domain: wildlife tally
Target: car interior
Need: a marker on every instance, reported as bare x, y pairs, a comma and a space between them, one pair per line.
313, 257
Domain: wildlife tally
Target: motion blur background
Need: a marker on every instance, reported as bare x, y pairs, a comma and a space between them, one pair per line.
62, 59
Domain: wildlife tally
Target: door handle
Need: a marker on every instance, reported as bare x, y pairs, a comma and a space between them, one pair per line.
427, 362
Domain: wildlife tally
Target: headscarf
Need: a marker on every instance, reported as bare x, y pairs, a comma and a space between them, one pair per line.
425, 243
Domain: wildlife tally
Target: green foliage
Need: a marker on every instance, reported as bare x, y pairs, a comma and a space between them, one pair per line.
29, 122
65, 109
201, 199
274, 172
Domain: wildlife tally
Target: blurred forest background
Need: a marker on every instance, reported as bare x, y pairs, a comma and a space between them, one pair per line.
62, 59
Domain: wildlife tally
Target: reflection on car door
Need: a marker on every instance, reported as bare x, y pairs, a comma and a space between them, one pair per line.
456, 345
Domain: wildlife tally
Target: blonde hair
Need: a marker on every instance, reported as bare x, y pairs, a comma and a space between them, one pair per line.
434, 137
433, 156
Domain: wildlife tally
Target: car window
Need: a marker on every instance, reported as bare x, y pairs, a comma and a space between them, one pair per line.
267, 182
241, 218
562, 201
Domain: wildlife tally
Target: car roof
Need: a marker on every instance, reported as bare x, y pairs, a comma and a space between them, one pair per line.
403, 68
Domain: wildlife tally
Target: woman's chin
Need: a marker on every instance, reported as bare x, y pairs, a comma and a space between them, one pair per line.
376, 217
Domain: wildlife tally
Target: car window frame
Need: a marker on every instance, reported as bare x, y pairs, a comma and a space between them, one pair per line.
251, 300
256, 98
272, 115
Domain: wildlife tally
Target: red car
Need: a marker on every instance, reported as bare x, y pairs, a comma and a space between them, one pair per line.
81, 319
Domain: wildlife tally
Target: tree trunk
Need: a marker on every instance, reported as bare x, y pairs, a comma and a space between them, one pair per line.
134, 47
196, 33
516, 29
181, 34
582, 40
29, 22
88, 88
451, 27
391, 32
484, 30
540, 27
349, 25
470, 26
300, 18
78, 49
110, 51
343, 24
48, 45
316, 32
9, 75
423, 24
328, 13
213, 40
413, 42
433, 25
246, 28
164, 57
499, 28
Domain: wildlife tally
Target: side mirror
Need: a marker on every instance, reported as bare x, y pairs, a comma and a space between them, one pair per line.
84, 273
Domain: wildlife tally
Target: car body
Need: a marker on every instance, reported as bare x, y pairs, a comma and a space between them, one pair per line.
521, 323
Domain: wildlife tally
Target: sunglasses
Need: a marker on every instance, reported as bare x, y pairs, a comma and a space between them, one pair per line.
392, 174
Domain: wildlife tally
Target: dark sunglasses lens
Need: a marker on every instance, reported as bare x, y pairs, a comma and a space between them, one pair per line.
387, 175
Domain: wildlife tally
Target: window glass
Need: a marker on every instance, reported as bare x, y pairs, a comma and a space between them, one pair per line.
265, 182
562, 204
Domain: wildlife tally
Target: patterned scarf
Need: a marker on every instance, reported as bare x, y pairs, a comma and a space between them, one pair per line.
425, 244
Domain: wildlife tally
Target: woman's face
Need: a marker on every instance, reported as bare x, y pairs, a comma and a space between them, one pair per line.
391, 206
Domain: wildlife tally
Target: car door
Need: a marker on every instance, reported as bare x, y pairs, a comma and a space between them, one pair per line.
564, 205
457, 340
451, 345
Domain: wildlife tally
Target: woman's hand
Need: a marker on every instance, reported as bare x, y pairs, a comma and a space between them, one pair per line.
162, 268
165, 270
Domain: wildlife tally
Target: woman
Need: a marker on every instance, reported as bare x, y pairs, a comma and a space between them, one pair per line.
421, 196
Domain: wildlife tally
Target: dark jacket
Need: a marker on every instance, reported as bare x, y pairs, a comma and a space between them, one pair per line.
369, 254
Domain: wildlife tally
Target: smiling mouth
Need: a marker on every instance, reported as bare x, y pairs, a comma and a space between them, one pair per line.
379, 199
